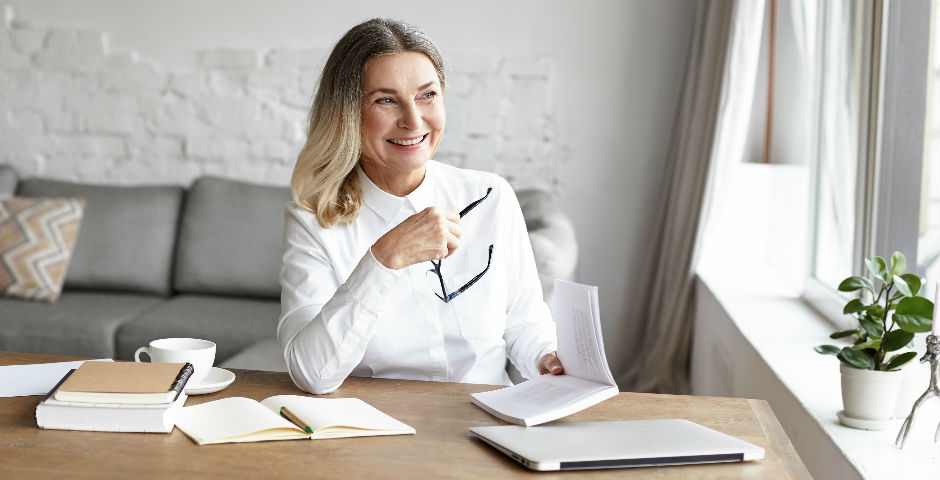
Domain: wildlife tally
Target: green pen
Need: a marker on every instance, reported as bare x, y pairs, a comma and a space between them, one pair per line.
295, 419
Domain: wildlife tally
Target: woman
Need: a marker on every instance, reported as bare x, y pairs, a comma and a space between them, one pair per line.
397, 266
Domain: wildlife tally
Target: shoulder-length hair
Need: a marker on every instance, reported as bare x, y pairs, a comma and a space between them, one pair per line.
324, 180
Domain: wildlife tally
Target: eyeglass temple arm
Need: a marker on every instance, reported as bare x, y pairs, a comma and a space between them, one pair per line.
475, 203
472, 280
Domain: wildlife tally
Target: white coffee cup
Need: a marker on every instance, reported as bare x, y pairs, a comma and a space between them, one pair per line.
200, 353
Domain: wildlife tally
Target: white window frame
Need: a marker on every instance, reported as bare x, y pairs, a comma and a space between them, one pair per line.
891, 139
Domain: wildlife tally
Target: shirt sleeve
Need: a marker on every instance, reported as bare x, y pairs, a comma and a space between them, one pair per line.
326, 322
530, 330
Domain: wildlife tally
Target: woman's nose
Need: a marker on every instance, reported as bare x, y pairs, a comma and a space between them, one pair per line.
410, 118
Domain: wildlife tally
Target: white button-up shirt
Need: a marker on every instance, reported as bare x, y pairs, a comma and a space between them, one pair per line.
344, 313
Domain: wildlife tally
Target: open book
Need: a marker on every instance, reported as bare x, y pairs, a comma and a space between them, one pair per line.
238, 419
587, 379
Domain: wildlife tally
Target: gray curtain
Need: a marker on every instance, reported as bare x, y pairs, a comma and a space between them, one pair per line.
717, 94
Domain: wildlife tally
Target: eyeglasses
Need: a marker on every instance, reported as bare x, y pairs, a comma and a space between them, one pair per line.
444, 295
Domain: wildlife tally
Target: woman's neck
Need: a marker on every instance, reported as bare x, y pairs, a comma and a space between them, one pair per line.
394, 182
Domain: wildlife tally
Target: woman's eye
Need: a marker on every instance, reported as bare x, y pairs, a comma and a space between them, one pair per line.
429, 94
384, 101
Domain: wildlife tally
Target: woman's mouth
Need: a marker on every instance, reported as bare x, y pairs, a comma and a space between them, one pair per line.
408, 142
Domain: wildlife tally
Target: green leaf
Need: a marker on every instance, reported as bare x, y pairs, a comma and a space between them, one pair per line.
876, 311
897, 339
898, 360
914, 314
913, 323
843, 334
873, 344
902, 286
827, 349
874, 327
878, 268
914, 282
854, 283
853, 306
919, 306
898, 263
856, 359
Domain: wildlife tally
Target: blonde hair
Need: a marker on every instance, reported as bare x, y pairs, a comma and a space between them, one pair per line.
324, 180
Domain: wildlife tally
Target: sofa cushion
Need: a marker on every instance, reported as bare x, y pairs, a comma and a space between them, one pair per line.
232, 323
230, 238
37, 236
127, 238
8, 178
80, 323
264, 355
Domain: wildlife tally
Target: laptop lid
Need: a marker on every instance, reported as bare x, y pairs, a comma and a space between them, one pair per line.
632, 443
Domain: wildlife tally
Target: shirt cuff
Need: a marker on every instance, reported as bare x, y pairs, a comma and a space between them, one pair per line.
371, 282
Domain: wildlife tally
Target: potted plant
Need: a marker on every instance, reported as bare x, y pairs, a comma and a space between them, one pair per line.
889, 313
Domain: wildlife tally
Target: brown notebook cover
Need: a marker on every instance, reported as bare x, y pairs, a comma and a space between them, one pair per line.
125, 382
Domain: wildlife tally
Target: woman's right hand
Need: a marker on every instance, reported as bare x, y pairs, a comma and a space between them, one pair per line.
430, 234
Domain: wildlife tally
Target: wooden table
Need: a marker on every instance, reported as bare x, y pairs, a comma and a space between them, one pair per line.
442, 447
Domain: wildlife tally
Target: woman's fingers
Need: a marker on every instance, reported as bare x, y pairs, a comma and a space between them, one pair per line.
549, 363
430, 234
453, 241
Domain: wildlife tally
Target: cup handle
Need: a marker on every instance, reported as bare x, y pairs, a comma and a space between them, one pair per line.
142, 350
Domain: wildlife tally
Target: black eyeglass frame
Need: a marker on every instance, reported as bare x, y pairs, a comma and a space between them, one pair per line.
447, 297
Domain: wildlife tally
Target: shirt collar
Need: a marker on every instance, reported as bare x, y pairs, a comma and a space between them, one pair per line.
387, 205
423, 196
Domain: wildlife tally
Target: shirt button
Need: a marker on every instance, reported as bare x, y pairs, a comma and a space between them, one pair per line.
383, 291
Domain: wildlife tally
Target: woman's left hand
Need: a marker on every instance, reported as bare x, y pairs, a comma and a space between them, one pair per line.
549, 363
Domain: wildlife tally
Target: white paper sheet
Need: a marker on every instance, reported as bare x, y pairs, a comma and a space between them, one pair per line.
35, 379
577, 320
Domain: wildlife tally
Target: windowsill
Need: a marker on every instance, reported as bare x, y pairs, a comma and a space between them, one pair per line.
777, 329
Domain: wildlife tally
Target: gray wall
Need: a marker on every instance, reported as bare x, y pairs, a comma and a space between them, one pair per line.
574, 97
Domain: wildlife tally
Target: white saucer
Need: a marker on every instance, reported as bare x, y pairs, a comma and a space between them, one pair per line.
217, 379
862, 423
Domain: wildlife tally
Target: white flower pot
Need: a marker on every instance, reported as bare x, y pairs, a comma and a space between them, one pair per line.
869, 394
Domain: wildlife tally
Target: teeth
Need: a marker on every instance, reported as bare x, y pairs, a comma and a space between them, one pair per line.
407, 142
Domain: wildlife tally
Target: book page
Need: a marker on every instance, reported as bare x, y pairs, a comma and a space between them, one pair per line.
540, 395
35, 379
322, 413
580, 346
234, 419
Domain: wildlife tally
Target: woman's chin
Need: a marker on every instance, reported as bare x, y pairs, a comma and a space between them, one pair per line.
409, 162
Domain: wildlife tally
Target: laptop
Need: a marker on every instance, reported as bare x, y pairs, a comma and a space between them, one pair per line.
632, 443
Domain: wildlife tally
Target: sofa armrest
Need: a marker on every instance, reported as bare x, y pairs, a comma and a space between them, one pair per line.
552, 236
8, 179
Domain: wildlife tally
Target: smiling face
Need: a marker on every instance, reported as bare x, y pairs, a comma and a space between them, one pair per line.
402, 119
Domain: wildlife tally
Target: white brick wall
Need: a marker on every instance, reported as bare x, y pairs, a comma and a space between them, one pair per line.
73, 107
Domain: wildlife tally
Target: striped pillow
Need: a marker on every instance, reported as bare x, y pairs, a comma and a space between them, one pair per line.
37, 236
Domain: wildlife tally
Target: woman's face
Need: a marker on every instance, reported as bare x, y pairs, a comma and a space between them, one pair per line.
402, 113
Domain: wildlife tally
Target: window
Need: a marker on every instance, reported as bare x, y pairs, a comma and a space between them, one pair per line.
876, 169
872, 185
842, 121
928, 243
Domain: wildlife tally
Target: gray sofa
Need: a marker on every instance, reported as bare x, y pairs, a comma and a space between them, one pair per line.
165, 261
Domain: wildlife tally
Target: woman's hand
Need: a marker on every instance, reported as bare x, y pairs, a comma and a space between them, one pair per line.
430, 234
549, 363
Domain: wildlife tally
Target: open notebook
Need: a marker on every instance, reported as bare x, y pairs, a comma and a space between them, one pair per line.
238, 419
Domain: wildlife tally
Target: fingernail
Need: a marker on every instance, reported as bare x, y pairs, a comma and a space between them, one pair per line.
556, 369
